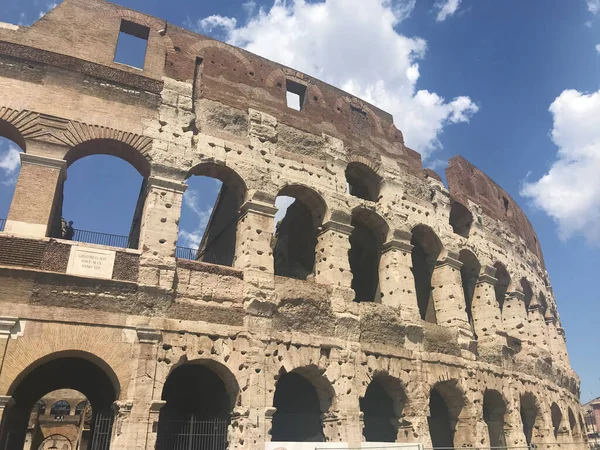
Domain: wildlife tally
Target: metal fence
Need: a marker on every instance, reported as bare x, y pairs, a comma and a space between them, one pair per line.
186, 253
207, 257
192, 434
2, 224
93, 237
102, 431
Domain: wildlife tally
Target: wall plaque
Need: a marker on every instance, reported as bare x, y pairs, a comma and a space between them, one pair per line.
91, 262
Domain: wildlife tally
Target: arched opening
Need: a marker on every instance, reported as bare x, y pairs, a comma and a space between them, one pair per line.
543, 304
502, 284
529, 416
461, 219
494, 411
362, 181
426, 250
527, 292
572, 422
368, 235
12, 145
61, 382
210, 213
297, 415
382, 409
556, 414
103, 197
298, 222
445, 405
469, 274
197, 410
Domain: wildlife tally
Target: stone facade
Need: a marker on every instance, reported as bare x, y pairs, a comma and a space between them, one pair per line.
460, 330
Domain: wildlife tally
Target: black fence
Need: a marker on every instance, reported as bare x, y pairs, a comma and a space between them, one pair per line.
93, 237
186, 253
102, 430
2, 224
192, 434
207, 257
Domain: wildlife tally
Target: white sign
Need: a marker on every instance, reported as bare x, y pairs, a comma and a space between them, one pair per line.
91, 262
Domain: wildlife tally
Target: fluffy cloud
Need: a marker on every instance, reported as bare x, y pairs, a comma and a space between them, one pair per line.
446, 9
191, 201
570, 191
598, 48
593, 6
10, 162
361, 53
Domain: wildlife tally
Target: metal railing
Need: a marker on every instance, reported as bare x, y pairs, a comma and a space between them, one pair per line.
186, 253
192, 433
93, 237
2, 224
207, 257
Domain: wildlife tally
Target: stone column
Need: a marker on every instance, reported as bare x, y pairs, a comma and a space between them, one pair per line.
513, 426
487, 318
537, 325
449, 302
253, 253
396, 278
152, 430
131, 417
514, 315
37, 196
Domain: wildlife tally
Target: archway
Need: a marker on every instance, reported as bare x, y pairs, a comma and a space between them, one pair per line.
297, 226
502, 284
297, 415
527, 292
382, 409
210, 213
426, 250
83, 373
368, 235
197, 410
494, 411
469, 274
11, 145
103, 195
556, 415
445, 405
529, 415
362, 181
572, 422
461, 219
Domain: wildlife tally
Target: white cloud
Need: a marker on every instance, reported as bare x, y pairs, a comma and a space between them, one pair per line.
446, 8
249, 7
48, 6
216, 25
191, 239
10, 161
593, 6
570, 191
361, 53
598, 48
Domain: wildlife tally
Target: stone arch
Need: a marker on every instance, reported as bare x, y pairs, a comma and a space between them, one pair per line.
469, 274
223, 173
349, 103
572, 421
543, 304
61, 407
14, 125
296, 233
9, 131
527, 292
426, 251
363, 180
56, 441
201, 46
530, 415
446, 403
382, 404
494, 415
556, 417
502, 285
461, 219
370, 232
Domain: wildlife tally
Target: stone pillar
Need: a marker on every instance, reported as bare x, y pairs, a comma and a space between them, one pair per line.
396, 278
449, 302
160, 219
562, 342
131, 417
253, 253
487, 318
513, 426
537, 326
514, 315
37, 196
152, 430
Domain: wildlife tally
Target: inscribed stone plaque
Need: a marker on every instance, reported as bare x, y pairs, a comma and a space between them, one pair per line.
91, 262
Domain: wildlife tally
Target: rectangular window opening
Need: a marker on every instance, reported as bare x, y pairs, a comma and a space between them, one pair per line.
295, 94
132, 44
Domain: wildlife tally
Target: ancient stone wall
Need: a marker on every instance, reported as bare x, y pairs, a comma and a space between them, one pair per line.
462, 313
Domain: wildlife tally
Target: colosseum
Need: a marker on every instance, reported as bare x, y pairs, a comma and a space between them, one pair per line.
384, 310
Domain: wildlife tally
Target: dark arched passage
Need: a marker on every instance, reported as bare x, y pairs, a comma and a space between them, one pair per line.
197, 410
469, 274
69, 372
494, 411
382, 409
297, 415
556, 415
529, 415
461, 219
426, 250
445, 404
502, 284
362, 181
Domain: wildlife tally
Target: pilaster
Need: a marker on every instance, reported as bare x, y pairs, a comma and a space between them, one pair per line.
514, 315
487, 318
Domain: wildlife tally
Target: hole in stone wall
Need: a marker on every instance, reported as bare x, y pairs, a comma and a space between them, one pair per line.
427, 248
494, 410
298, 415
502, 284
556, 414
295, 94
362, 181
461, 219
469, 274
132, 44
529, 416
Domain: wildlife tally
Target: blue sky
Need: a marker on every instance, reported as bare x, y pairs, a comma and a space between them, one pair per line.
511, 85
